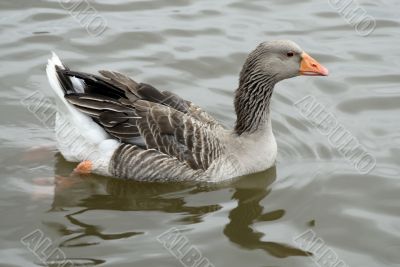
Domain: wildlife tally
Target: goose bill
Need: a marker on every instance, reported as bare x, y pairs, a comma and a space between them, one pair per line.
311, 67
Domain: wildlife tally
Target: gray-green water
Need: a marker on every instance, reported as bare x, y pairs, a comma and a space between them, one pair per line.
196, 49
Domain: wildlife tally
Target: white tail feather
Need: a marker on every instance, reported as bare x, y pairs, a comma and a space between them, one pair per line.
78, 136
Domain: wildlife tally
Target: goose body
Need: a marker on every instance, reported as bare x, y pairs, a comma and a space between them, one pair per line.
118, 127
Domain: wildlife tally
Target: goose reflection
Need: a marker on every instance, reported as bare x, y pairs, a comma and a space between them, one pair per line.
101, 193
249, 191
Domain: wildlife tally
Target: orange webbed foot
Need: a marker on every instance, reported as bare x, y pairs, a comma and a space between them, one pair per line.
85, 167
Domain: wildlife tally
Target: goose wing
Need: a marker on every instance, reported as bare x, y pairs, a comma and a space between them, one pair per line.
148, 92
139, 114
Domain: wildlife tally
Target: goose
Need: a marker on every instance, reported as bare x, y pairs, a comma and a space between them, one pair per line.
115, 126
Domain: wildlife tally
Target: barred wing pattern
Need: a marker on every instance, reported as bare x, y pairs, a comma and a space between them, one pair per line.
148, 92
153, 126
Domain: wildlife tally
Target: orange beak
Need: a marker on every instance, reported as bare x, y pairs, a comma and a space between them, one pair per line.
311, 67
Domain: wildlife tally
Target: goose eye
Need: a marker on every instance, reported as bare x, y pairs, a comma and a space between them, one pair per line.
290, 54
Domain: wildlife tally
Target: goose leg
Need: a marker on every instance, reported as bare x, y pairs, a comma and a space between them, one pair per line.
85, 167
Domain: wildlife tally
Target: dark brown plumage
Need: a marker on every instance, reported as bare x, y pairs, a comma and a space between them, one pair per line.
139, 114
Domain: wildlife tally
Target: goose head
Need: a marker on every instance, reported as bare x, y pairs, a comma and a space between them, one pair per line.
283, 59
268, 64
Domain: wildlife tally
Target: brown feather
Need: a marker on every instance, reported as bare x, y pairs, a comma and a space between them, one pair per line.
140, 114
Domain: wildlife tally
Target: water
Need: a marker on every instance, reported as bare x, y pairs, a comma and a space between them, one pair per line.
196, 49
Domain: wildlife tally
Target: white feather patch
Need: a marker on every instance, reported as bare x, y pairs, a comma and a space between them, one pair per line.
78, 137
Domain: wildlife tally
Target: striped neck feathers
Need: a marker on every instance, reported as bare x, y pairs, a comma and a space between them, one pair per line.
252, 98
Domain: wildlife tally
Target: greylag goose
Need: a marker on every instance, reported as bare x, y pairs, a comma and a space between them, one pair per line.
115, 126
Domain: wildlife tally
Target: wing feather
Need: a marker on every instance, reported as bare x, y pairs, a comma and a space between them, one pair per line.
139, 114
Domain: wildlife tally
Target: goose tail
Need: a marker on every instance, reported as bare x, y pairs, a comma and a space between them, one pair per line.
78, 137
62, 84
